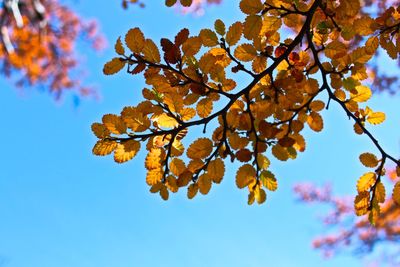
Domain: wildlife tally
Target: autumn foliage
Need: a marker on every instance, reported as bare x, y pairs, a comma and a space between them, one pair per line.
38, 39
299, 56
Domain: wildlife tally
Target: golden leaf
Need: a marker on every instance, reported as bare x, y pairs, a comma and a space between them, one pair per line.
154, 159
119, 48
192, 190
361, 203
113, 66
269, 181
208, 37
154, 176
187, 114
171, 184
245, 175
200, 148
150, 51
135, 119
134, 40
219, 27
166, 121
100, 130
104, 147
363, 93
234, 33
216, 170
260, 195
177, 166
245, 52
191, 46
376, 117
280, 152
114, 124
380, 193
252, 26
396, 193
251, 7
366, 181
317, 105
368, 160
204, 107
126, 151
204, 183
335, 49
314, 120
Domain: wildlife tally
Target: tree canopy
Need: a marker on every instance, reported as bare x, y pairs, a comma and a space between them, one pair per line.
299, 57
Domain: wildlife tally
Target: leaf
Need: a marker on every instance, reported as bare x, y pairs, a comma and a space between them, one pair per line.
192, 46
134, 40
170, 3
177, 166
154, 176
204, 183
260, 195
115, 65
366, 181
200, 149
361, 203
114, 124
208, 37
314, 120
234, 33
376, 117
204, 107
164, 193
280, 152
252, 26
151, 52
245, 52
153, 159
192, 191
166, 121
186, 3
335, 50
269, 181
363, 93
380, 193
171, 184
396, 193
251, 7
119, 48
100, 130
216, 170
245, 175
104, 147
219, 27
126, 151
317, 105
368, 160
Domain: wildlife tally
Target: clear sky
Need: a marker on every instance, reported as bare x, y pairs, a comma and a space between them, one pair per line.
60, 206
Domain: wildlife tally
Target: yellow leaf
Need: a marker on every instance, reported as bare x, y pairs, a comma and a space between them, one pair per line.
151, 52
380, 193
260, 195
361, 203
376, 117
171, 184
259, 64
245, 52
269, 181
100, 130
173, 101
154, 159
216, 170
192, 191
200, 149
366, 181
119, 48
208, 37
177, 166
204, 183
154, 176
396, 193
263, 162
187, 114
134, 40
114, 124
234, 33
314, 120
368, 160
363, 93
280, 152
371, 45
245, 175
363, 26
219, 27
252, 26
204, 107
126, 151
166, 121
104, 147
251, 7
115, 65
251, 198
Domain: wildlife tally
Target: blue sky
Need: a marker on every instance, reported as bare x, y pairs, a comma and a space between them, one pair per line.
60, 206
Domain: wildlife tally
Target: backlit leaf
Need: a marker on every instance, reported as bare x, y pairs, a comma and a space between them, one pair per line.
126, 151
134, 40
366, 181
200, 149
368, 160
245, 175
